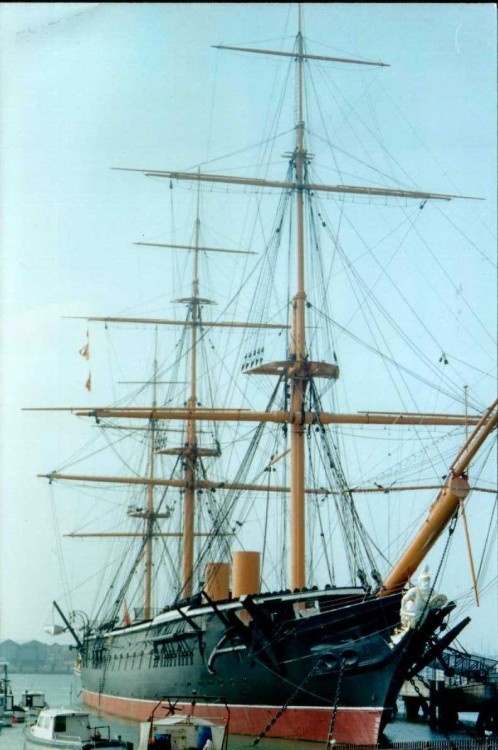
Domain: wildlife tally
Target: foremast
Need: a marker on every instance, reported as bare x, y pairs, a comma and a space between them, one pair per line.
150, 513
190, 452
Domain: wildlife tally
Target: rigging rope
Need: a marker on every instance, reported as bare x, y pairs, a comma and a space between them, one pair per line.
220, 521
351, 525
60, 556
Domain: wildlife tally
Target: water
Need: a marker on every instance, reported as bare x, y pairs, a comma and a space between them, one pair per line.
60, 690
65, 690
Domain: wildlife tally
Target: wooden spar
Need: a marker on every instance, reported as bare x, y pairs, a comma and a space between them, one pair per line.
183, 323
205, 484
444, 507
278, 417
68, 625
243, 415
134, 534
310, 187
300, 55
469, 449
157, 482
193, 247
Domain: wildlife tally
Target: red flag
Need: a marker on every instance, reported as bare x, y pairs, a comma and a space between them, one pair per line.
126, 615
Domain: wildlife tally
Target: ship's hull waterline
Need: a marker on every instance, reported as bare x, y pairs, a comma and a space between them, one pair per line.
333, 668
352, 725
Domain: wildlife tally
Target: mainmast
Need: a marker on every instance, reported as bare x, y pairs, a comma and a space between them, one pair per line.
189, 455
299, 379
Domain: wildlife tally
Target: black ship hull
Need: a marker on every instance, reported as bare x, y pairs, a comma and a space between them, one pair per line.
328, 659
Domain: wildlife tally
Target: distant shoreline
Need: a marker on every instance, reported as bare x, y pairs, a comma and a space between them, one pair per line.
35, 657
16, 669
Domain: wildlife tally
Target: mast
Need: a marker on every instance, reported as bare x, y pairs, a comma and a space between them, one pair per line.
444, 507
150, 513
298, 352
298, 370
190, 451
191, 441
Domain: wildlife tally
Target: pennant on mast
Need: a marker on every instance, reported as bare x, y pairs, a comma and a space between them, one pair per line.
85, 350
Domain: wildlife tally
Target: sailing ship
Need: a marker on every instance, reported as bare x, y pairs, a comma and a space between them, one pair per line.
256, 619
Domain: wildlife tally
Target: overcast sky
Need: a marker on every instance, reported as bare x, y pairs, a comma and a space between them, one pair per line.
89, 86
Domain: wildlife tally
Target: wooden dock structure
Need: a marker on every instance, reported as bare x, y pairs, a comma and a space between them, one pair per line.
458, 682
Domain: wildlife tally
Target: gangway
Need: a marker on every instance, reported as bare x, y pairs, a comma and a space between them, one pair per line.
460, 664
455, 682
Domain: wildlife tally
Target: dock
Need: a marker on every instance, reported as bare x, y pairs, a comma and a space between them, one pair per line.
457, 682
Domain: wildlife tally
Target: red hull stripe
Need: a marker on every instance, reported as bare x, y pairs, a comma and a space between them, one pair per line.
359, 726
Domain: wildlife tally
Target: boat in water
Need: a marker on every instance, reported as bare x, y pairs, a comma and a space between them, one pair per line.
240, 457
70, 729
184, 730
10, 712
33, 701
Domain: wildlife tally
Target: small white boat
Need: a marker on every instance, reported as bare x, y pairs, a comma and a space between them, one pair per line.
183, 731
69, 729
33, 701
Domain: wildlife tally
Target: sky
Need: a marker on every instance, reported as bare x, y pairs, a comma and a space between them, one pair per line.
90, 86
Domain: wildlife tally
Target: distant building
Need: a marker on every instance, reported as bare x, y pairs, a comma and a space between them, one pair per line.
35, 656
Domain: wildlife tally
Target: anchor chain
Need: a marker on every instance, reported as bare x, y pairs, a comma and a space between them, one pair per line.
282, 710
419, 693
336, 702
